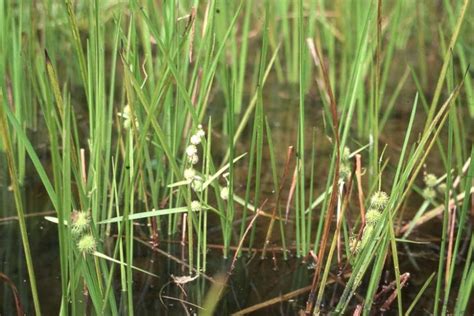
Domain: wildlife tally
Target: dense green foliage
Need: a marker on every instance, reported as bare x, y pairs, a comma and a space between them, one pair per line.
159, 112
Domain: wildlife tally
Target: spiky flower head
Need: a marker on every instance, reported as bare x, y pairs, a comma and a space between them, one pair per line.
196, 206
442, 188
379, 200
373, 216
86, 244
430, 180
429, 193
80, 222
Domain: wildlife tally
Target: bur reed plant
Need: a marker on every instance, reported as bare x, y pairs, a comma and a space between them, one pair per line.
144, 108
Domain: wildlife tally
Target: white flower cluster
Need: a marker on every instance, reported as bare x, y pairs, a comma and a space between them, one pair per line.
196, 206
193, 158
225, 193
189, 174
191, 150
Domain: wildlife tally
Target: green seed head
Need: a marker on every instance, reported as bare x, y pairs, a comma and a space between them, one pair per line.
86, 244
344, 171
442, 188
429, 193
80, 222
379, 200
373, 216
430, 180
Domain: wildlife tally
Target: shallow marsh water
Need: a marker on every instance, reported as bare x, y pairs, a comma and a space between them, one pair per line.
254, 280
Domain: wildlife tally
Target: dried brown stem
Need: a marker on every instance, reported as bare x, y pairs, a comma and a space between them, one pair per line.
403, 280
289, 154
16, 295
437, 211
241, 242
291, 194
345, 203
333, 198
360, 191
279, 299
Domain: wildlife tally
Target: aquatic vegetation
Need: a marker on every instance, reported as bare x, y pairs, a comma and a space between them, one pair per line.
86, 244
372, 217
332, 140
196, 206
379, 200
225, 193
80, 222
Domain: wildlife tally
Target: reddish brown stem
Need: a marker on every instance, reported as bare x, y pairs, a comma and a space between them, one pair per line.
16, 295
358, 173
403, 280
289, 154
333, 198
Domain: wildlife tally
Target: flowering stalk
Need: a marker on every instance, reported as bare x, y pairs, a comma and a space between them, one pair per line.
378, 202
196, 184
80, 229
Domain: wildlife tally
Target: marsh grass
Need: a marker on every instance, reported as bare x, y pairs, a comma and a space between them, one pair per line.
115, 92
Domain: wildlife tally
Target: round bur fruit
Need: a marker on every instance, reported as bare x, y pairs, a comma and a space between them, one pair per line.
86, 244
372, 216
379, 200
